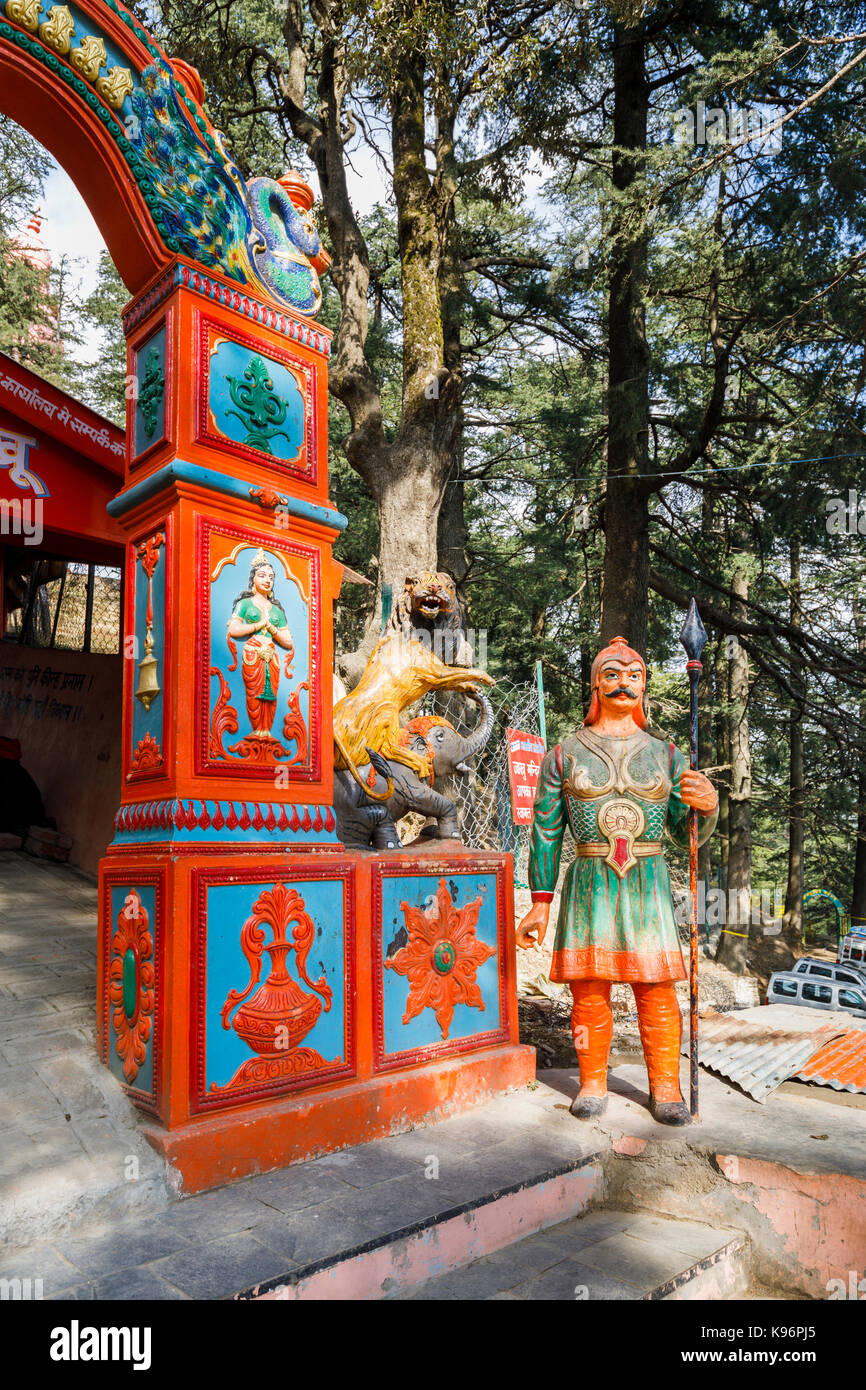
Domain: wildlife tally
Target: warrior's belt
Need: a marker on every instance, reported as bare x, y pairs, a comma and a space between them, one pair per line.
639, 848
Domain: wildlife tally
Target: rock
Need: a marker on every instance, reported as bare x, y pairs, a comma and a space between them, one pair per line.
628, 1146
48, 844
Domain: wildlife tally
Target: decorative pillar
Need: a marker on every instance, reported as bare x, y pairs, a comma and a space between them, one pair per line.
253, 986
255, 994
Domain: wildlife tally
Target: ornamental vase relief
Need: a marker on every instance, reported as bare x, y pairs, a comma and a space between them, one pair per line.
274, 1004
274, 1020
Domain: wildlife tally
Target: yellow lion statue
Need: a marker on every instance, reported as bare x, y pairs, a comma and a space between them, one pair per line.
367, 720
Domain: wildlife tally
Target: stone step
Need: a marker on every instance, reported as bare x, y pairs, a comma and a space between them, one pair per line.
363, 1223
433, 1200
608, 1255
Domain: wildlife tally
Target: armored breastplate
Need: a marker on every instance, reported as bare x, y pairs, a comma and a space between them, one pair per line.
617, 796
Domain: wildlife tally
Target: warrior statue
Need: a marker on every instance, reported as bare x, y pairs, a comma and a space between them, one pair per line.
617, 789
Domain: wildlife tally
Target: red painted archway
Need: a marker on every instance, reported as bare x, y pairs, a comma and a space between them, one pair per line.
37, 93
127, 124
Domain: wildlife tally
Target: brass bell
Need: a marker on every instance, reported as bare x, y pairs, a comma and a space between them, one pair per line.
148, 686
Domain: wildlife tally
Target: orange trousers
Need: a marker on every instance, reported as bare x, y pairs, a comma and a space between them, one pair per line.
660, 1025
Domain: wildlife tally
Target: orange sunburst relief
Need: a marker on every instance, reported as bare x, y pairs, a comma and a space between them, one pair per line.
441, 958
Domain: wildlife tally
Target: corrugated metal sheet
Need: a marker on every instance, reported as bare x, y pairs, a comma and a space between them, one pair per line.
757, 1058
840, 1064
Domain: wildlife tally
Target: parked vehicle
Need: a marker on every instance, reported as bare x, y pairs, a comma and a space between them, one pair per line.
793, 987
852, 948
847, 974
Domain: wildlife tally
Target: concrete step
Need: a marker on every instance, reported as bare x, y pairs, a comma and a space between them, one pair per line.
610, 1255
426, 1228
364, 1223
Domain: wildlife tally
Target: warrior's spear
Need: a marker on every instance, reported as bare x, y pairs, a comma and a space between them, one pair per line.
693, 638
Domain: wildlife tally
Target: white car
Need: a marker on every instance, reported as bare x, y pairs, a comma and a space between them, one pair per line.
848, 973
799, 987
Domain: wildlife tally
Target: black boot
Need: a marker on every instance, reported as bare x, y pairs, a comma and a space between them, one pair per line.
669, 1112
588, 1107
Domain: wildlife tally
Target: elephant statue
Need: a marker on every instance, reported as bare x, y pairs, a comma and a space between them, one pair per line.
365, 824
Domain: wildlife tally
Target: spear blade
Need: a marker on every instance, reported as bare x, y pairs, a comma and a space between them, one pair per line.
693, 634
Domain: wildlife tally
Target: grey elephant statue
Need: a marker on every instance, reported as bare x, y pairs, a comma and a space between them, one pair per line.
365, 824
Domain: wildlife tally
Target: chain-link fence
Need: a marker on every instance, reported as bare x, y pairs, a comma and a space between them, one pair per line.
483, 799
64, 604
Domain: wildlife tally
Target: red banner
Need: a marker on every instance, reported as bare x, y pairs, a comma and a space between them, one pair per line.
525, 752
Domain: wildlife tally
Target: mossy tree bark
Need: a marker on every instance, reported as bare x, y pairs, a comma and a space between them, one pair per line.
406, 470
626, 505
793, 918
734, 941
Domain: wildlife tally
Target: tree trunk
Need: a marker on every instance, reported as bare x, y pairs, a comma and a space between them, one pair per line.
734, 941
721, 681
585, 675
858, 894
626, 507
793, 920
453, 532
407, 494
406, 475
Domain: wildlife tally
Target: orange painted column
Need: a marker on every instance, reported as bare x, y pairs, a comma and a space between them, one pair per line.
253, 991
227, 698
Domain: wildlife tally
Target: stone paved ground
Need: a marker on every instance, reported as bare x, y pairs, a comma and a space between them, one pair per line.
269, 1227
70, 1142
84, 1204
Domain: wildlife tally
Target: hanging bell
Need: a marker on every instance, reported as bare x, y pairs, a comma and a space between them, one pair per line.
148, 686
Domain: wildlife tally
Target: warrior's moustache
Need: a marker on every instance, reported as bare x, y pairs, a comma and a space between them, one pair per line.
621, 690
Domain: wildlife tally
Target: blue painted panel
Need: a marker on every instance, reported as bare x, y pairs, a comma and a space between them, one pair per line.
228, 907
143, 1080
420, 891
150, 359
149, 721
233, 580
270, 421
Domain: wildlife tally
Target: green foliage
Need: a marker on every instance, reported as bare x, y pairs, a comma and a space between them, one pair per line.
103, 381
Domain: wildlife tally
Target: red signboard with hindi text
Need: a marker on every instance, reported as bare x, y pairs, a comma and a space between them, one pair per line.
525, 752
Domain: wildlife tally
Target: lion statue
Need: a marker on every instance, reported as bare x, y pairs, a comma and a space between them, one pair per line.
429, 611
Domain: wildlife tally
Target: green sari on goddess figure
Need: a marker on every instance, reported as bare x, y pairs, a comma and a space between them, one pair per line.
259, 619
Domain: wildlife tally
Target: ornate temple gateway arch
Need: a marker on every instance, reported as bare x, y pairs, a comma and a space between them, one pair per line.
225, 866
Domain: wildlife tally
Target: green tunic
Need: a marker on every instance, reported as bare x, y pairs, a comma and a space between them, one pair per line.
249, 612
617, 796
